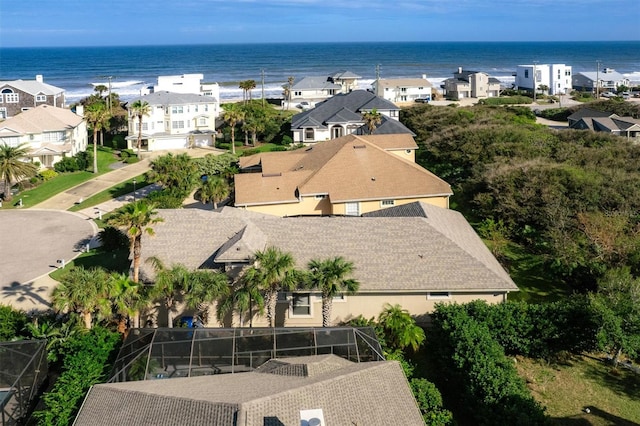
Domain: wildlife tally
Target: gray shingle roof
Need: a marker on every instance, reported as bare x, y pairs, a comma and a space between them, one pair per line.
439, 252
365, 393
315, 83
344, 108
32, 87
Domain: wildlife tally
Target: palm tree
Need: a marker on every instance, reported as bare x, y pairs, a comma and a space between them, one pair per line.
214, 189
247, 86
12, 166
372, 119
232, 115
273, 271
137, 217
329, 276
96, 115
400, 328
140, 109
85, 291
127, 298
203, 288
169, 284
244, 295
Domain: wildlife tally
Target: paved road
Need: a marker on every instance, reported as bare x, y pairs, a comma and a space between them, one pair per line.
32, 242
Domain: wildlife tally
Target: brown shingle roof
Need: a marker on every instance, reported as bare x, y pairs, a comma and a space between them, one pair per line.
348, 393
437, 252
350, 168
44, 118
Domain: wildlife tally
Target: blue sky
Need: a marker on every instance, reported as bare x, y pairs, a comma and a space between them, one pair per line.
34, 23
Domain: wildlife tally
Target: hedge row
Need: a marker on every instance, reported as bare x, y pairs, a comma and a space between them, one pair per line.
85, 364
475, 369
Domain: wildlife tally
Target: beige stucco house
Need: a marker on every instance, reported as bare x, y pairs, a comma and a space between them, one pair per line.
471, 84
415, 255
351, 175
50, 132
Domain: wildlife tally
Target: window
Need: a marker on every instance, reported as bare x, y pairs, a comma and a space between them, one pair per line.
176, 110
439, 295
1, 98
297, 93
145, 126
202, 121
352, 209
53, 136
179, 124
11, 98
393, 113
11, 141
301, 305
337, 132
309, 134
3, 113
282, 297
387, 203
526, 73
403, 90
41, 98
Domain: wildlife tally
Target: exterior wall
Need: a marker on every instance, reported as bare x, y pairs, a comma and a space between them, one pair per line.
419, 304
312, 94
313, 206
406, 93
557, 77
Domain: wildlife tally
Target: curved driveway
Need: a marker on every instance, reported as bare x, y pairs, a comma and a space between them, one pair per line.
31, 241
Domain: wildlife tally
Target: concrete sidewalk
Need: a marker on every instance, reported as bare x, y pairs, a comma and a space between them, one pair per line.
67, 199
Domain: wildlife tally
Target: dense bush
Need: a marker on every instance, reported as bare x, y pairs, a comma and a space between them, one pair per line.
11, 322
506, 100
48, 174
475, 371
67, 164
85, 364
166, 199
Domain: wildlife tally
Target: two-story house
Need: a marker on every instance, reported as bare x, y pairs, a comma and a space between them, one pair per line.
471, 84
175, 120
556, 77
20, 95
351, 175
403, 89
342, 115
601, 81
318, 88
50, 132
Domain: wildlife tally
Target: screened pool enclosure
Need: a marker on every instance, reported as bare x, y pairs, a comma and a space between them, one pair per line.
162, 353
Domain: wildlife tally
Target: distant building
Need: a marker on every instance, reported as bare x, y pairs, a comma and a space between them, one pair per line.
176, 120
185, 83
403, 89
20, 95
471, 84
556, 77
609, 80
320, 88
601, 121
51, 133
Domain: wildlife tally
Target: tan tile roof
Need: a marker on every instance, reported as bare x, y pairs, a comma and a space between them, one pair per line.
365, 393
349, 168
435, 251
44, 118
404, 82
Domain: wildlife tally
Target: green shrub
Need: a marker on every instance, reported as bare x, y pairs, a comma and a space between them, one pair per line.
166, 199
287, 140
48, 174
130, 160
506, 100
11, 322
125, 153
67, 164
85, 364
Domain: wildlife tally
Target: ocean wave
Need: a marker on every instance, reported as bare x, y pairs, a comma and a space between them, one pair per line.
119, 84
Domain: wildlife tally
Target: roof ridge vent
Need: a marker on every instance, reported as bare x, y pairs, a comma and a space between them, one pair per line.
359, 146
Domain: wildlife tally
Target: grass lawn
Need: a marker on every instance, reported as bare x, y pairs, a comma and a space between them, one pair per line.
62, 182
536, 284
117, 261
111, 193
612, 395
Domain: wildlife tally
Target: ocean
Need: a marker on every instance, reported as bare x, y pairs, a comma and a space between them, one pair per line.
132, 68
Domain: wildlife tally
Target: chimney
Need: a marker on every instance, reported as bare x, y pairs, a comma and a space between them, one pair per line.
39, 78
459, 70
424, 76
80, 110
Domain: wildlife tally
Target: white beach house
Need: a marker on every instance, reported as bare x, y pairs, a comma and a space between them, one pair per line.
556, 77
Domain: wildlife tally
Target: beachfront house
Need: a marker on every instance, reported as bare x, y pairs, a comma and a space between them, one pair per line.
175, 120
557, 78
607, 80
318, 88
399, 90
416, 255
20, 95
184, 83
342, 115
350, 176
51, 133
471, 84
